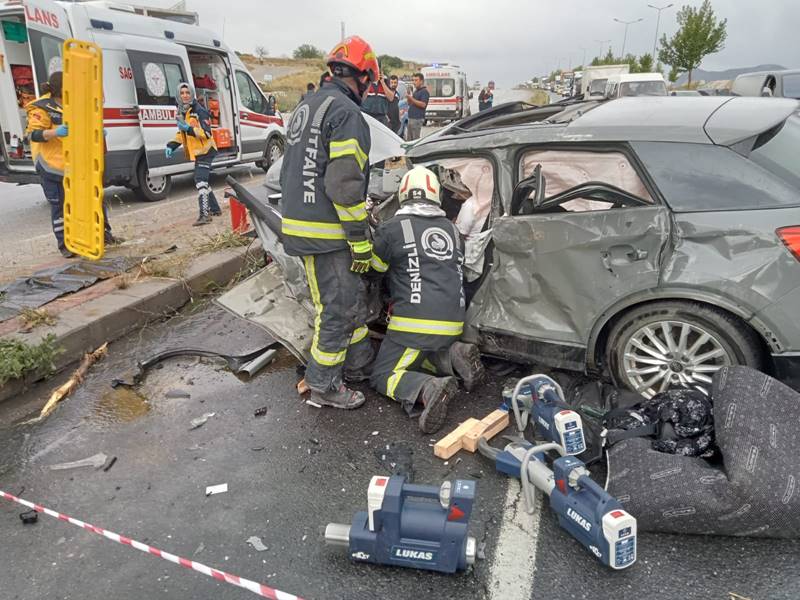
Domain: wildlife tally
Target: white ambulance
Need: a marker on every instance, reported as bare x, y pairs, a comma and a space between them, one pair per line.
450, 95
144, 59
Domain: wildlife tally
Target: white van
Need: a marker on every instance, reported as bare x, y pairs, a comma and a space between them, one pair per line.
450, 95
635, 84
144, 59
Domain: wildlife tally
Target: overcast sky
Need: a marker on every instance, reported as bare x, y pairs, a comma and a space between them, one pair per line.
509, 41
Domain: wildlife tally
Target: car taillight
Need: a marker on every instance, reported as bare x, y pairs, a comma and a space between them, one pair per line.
790, 236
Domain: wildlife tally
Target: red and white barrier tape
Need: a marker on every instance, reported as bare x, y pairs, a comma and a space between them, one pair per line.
257, 588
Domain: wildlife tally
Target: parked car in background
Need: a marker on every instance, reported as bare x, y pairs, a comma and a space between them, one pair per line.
635, 84
778, 84
620, 243
595, 79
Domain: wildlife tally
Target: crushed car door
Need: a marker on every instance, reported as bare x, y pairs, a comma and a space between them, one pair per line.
158, 67
590, 238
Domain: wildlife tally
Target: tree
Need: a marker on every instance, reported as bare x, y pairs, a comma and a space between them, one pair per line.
699, 34
261, 54
390, 63
673, 75
646, 63
307, 51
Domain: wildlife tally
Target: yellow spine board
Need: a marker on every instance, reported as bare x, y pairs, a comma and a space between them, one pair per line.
83, 149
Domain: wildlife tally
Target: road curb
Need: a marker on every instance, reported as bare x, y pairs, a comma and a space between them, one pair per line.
85, 327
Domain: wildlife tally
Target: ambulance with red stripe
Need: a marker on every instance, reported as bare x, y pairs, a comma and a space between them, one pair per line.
144, 59
450, 95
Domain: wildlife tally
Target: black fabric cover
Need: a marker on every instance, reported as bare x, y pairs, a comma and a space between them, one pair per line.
752, 491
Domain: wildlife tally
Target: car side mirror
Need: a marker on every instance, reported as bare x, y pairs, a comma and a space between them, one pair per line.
529, 193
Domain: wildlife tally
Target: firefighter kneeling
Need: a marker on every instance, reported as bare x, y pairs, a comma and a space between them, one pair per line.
423, 253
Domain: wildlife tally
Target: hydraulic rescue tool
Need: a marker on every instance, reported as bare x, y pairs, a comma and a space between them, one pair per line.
403, 528
543, 400
587, 512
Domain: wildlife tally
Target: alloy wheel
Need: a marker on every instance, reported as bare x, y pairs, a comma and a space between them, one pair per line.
672, 354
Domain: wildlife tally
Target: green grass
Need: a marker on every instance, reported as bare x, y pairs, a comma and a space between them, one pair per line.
18, 358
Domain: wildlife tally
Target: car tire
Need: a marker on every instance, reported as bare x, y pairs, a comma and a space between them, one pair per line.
151, 189
703, 339
273, 151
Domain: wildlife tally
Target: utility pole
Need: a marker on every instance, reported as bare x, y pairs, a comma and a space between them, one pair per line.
342, 30
625, 38
658, 22
583, 64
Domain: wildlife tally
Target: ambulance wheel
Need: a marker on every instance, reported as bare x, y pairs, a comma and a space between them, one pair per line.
273, 152
151, 189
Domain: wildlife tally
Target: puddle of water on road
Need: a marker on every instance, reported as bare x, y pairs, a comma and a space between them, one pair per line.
120, 405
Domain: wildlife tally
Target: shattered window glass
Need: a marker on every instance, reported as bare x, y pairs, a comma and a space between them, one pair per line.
567, 169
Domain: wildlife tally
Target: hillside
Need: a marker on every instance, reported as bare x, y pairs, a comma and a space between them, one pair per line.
729, 74
290, 76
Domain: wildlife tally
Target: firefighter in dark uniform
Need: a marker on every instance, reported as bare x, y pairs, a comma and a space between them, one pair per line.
324, 187
194, 134
46, 129
421, 355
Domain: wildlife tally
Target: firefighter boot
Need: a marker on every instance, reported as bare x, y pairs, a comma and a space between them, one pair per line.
436, 393
466, 361
342, 397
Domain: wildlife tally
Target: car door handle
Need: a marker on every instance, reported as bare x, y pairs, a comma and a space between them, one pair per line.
637, 254
245, 117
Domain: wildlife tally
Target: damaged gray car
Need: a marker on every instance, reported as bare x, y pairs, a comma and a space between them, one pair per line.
651, 240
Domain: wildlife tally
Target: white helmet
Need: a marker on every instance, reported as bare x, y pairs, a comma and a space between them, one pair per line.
419, 185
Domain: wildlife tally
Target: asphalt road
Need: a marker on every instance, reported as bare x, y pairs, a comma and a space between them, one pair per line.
290, 473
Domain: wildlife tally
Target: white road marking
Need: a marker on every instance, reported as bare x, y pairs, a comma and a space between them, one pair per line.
514, 566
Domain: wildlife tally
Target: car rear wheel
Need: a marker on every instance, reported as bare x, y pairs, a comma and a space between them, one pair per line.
151, 188
677, 344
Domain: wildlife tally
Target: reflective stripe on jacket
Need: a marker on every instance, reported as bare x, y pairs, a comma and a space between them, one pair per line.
423, 256
200, 140
45, 113
325, 173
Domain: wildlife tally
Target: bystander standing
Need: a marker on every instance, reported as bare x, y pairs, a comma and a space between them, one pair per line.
417, 103
486, 97
394, 106
376, 99
310, 89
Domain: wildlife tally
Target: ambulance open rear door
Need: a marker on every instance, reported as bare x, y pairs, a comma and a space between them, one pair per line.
158, 67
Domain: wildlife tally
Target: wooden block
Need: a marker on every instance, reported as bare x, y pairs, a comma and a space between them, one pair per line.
488, 427
451, 443
302, 387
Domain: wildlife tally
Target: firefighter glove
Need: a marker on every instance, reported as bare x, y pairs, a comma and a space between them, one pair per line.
362, 254
62, 131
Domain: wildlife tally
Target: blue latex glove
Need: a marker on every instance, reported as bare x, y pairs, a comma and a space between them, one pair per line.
168, 152
184, 126
62, 131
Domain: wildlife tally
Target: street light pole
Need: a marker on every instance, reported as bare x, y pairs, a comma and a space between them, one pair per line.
583, 64
658, 22
625, 38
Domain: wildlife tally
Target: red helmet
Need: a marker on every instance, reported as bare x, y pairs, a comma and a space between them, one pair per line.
357, 54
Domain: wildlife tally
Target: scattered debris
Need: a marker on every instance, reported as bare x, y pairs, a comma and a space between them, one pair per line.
480, 553
476, 474
200, 548
314, 404
200, 421
33, 318
177, 394
260, 412
110, 464
216, 489
256, 543
67, 388
314, 441
735, 596
259, 449
96, 461
302, 387
29, 517
375, 432
352, 466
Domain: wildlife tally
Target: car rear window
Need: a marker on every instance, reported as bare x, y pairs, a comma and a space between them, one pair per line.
777, 151
705, 177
